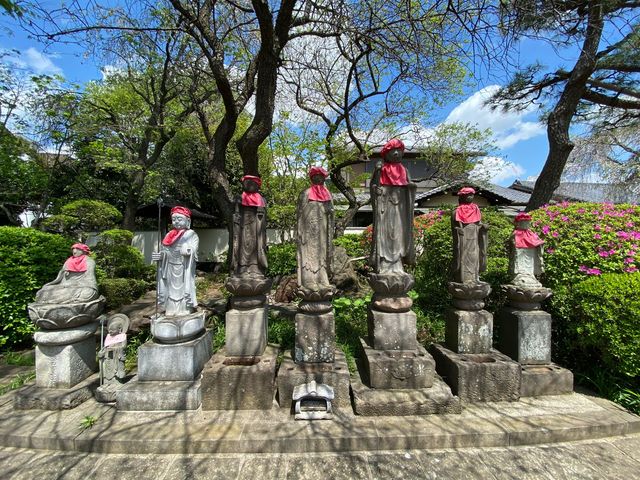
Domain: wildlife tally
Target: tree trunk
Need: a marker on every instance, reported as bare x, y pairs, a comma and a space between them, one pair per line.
133, 201
559, 122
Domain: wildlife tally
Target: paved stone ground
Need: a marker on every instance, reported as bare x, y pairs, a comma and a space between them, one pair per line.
611, 458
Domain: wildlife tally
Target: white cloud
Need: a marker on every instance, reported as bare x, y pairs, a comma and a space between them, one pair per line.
39, 62
508, 128
496, 170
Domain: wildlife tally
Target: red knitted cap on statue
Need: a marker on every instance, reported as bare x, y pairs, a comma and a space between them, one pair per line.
253, 178
390, 145
318, 171
466, 191
81, 246
182, 211
522, 217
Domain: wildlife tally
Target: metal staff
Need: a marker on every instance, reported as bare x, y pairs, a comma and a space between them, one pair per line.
160, 204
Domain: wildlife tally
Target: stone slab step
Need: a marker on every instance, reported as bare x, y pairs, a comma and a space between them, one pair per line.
530, 421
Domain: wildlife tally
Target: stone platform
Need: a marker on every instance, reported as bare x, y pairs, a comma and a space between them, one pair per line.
530, 421
334, 374
548, 379
239, 383
35, 397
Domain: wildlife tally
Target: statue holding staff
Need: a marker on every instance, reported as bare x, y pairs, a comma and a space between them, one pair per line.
469, 239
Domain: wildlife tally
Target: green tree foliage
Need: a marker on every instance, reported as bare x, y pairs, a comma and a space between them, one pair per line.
30, 259
81, 217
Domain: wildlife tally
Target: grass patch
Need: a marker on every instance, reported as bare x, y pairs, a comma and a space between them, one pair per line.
20, 359
17, 382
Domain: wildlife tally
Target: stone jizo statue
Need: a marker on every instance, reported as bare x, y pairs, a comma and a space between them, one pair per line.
315, 233
76, 281
392, 199
525, 253
177, 267
469, 239
249, 248
113, 352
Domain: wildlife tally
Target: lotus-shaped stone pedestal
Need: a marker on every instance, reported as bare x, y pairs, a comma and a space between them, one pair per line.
248, 291
526, 298
177, 329
55, 316
469, 296
391, 291
315, 301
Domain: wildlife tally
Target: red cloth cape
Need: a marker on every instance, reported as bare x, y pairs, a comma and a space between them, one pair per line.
76, 264
319, 193
527, 239
468, 213
253, 199
173, 235
393, 173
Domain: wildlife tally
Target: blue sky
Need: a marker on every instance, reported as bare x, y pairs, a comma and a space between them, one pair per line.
520, 138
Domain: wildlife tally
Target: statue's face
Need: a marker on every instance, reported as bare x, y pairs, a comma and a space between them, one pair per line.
114, 329
76, 252
468, 198
523, 225
179, 221
317, 179
250, 186
393, 155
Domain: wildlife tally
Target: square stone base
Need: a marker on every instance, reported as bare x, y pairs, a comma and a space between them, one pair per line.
392, 331
422, 401
489, 377
538, 380
158, 396
469, 331
63, 366
315, 338
182, 362
525, 336
246, 332
239, 383
33, 397
391, 369
335, 375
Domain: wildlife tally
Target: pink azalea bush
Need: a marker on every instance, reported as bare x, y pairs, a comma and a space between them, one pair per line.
588, 239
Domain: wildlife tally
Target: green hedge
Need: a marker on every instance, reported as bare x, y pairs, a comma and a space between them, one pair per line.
121, 291
281, 258
29, 259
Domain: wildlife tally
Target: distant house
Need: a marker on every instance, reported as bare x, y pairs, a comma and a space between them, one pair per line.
584, 192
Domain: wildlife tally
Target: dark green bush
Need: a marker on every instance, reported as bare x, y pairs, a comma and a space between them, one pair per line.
357, 246
116, 258
121, 291
80, 217
433, 267
282, 259
28, 259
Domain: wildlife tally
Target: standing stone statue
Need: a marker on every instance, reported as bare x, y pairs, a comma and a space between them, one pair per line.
525, 253
112, 356
392, 199
249, 249
177, 270
177, 282
469, 239
315, 233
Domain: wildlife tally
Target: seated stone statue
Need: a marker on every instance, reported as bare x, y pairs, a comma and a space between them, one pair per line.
177, 268
469, 239
525, 253
392, 199
76, 281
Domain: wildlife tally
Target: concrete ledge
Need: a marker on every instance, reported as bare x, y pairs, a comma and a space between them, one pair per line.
35, 397
537, 380
158, 396
530, 421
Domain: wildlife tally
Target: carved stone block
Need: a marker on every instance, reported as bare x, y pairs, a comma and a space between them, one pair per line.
549, 379
525, 335
469, 331
176, 362
392, 331
397, 369
63, 366
246, 332
157, 396
315, 338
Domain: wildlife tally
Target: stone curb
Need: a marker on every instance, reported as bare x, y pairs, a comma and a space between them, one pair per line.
532, 421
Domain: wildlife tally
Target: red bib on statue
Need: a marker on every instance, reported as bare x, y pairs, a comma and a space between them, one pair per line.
468, 213
527, 239
173, 236
76, 264
252, 199
393, 174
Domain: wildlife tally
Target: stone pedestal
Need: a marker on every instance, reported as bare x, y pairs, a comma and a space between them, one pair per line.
315, 338
548, 379
469, 331
168, 376
525, 336
335, 374
174, 362
397, 369
392, 331
246, 332
239, 383
63, 366
482, 377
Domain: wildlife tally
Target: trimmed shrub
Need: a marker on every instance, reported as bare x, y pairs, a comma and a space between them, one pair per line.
116, 258
29, 259
282, 259
82, 216
121, 291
